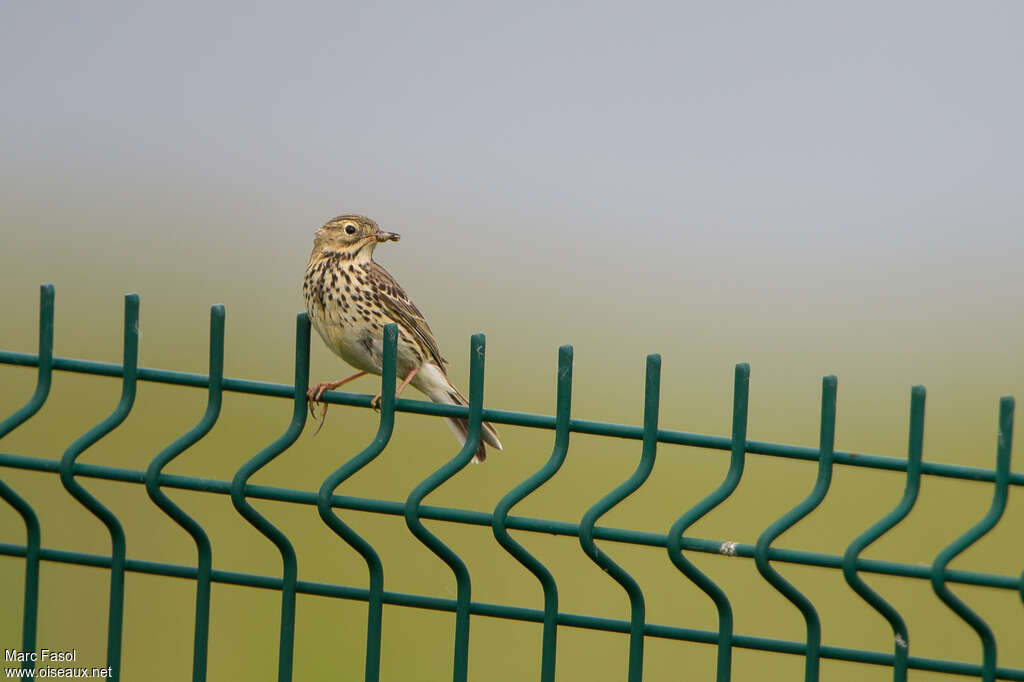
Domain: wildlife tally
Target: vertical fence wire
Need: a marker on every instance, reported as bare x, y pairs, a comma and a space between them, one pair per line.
652, 397
286, 648
995, 512
33, 533
901, 638
325, 498
517, 494
741, 400
433, 482
204, 552
791, 518
115, 619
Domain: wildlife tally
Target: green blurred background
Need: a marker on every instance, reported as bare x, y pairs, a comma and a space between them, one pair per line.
808, 188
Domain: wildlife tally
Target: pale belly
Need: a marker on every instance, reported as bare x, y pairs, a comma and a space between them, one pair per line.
358, 342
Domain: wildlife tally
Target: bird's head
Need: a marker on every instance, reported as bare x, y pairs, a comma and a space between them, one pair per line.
351, 235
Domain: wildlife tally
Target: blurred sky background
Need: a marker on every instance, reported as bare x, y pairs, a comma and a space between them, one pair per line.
810, 187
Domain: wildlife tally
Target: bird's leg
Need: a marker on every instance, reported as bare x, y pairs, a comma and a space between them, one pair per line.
315, 392
375, 403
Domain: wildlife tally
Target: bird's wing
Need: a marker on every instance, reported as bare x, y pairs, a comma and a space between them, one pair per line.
404, 312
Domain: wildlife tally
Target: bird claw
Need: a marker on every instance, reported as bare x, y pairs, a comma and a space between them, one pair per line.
323, 420
313, 396
375, 402
323, 414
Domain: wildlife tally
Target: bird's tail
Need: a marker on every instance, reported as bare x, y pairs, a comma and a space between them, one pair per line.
447, 394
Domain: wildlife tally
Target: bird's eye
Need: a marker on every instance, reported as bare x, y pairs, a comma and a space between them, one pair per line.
350, 229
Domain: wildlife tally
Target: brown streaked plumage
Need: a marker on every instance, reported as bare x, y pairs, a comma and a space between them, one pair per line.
350, 297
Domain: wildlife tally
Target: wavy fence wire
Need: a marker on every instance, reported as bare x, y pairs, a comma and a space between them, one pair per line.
331, 508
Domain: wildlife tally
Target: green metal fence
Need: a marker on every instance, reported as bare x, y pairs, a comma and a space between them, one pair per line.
331, 507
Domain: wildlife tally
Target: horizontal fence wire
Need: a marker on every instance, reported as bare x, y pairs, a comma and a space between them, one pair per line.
328, 503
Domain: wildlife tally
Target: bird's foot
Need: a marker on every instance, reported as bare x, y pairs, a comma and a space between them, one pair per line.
375, 402
313, 396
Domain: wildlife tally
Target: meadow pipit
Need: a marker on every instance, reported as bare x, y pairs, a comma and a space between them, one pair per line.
350, 298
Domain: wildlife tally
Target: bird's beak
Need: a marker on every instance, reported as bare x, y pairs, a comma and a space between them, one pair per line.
388, 237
